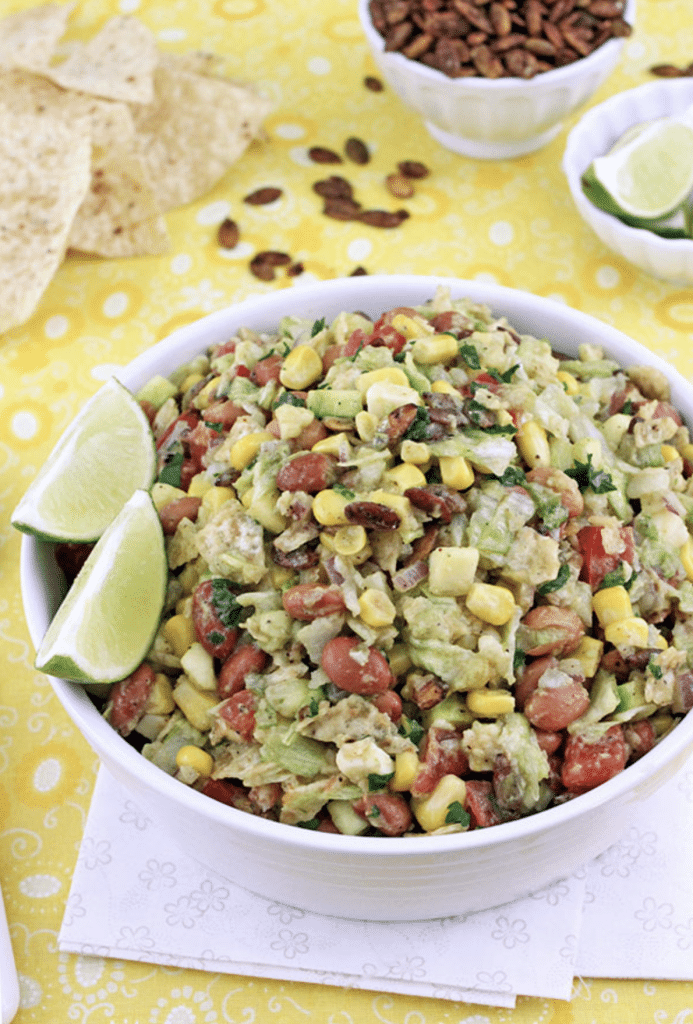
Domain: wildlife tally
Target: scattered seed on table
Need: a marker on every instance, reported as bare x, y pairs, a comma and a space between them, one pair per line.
357, 150
323, 155
359, 272
373, 83
341, 208
228, 234
294, 269
382, 218
399, 186
334, 187
413, 169
262, 196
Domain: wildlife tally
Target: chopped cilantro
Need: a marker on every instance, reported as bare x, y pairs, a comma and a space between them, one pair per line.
504, 378
655, 669
627, 407
215, 637
457, 815
412, 729
418, 427
312, 823
470, 356
519, 659
225, 604
496, 428
587, 476
617, 578
287, 398
513, 476
170, 473
217, 427
318, 326
376, 783
344, 491
557, 583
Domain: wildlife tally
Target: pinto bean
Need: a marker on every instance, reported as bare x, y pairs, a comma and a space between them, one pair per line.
266, 370
176, 511
557, 630
388, 812
529, 680
554, 708
372, 515
399, 421
301, 558
342, 661
422, 546
442, 754
226, 413
128, 699
308, 601
437, 500
311, 472
549, 742
245, 659
310, 435
390, 703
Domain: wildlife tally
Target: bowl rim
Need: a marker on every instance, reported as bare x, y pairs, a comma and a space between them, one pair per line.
575, 161
556, 76
267, 309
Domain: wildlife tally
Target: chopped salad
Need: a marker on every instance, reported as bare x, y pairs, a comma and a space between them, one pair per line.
425, 574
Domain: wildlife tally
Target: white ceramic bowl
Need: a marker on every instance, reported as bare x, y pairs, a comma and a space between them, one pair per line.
594, 135
494, 119
357, 876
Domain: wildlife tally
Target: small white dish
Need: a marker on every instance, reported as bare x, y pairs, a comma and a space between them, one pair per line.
9, 983
494, 119
670, 259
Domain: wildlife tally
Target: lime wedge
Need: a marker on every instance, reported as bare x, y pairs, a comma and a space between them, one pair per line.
105, 454
651, 174
110, 615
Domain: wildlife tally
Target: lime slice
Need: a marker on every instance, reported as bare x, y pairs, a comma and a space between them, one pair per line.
105, 454
651, 174
106, 623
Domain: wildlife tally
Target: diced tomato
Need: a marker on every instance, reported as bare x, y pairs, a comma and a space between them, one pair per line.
216, 637
640, 738
388, 812
239, 712
266, 370
586, 765
128, 699
229, 793
481, 805
383, 335
178, 430
390, 703
225, 412
226, 348
200, 440
596, 562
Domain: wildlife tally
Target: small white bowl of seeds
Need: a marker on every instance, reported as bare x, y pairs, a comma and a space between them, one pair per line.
496, 81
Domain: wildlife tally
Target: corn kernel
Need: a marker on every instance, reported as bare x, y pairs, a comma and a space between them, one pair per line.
184, 605
533, 444
432, 810
504, 419
410, 328
405, 475
440, 348
366, 425
247, 497
333, 444
491, 603
444, 387
687, 452
612, 604
406, 766
398, 659
301, 368
386, 374
160, 700
328, 508
630, 632
199, 485
451, 570
193, 757
376, 609
415, 452
398, 502
180, 633
589, 653
189, 577
203, 398
686, 555
669, 453
247, 447
215, 497
349, 540
568, 381
195, 704
164, 494
383, 398
490, 703
456, 472
190, 381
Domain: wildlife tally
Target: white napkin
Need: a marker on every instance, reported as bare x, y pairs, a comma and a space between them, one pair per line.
629, 914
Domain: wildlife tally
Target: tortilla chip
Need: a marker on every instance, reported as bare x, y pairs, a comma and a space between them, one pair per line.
119, 196
148, 238
28, 38
110, 123
45, 171
117, 64
197, 62
195, 129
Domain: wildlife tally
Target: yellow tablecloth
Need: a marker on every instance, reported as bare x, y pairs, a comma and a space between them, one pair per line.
511, 222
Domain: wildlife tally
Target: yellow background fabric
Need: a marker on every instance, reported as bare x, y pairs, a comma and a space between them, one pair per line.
511, 222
